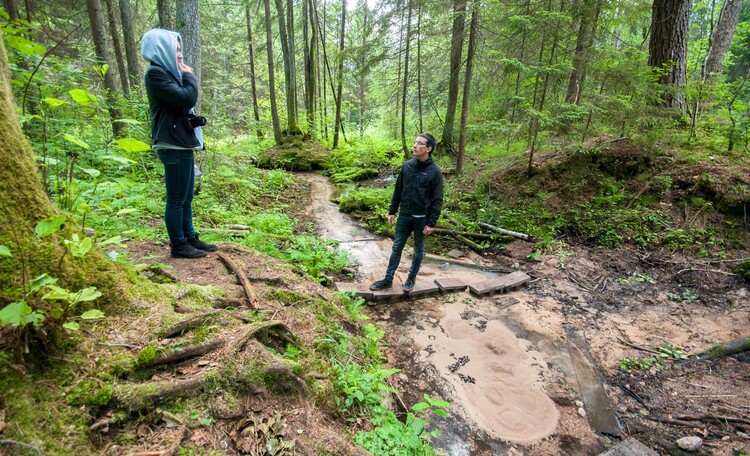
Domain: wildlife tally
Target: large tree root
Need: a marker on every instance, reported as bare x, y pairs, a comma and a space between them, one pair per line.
187, 324
252, 297
264, 329
186, 352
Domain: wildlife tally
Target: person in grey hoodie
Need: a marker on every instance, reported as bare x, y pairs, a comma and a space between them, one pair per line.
172, 91
419, 195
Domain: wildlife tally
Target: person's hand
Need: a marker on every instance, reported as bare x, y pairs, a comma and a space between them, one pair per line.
391, 219
184, 68
427, 230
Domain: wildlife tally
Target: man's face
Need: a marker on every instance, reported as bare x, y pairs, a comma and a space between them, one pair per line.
420, 150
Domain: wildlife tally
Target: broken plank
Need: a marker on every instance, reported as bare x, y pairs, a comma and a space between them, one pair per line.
451, 284
500, 284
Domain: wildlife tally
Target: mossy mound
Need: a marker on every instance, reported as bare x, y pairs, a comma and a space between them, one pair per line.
294, 154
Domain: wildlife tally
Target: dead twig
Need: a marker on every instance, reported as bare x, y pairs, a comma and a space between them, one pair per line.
637, 347
715, 271
249, 290
98, 342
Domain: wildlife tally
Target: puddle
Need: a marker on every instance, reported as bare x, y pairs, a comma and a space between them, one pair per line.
497, 360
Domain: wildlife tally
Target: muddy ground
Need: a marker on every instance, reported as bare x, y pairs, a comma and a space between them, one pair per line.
505, 363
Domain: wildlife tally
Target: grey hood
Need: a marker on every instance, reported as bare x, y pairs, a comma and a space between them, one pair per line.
159, 46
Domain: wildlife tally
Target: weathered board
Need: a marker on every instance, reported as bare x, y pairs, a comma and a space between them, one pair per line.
423, 288
500, 284
359, 289
450, 284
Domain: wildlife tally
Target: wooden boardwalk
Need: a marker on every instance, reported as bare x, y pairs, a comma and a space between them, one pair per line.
502, 284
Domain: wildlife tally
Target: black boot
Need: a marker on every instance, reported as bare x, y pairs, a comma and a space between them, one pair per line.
200, 245
183, 249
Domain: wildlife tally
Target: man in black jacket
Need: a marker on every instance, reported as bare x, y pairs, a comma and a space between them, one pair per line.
419, 193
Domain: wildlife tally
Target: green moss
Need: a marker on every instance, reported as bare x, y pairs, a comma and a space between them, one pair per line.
90, 393
146, 355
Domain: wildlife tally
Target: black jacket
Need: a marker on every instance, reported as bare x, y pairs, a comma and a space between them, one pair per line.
419, 190
169, 104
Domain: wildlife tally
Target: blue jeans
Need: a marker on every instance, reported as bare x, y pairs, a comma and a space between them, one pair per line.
405, 225
179, 178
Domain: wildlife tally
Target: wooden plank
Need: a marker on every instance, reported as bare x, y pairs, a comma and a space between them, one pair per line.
423, 288
361, 290
451, 284
389, 293
500, 284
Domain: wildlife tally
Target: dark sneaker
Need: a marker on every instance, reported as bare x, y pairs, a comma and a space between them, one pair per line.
200, 245
381, 285
183, 249
409, 284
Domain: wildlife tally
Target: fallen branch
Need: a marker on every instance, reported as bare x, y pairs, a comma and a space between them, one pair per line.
161, 271
473, 245
444, 231
187, 352
730, 348
20, 444
718, 419
515, 234
143, 395
637, 347
98, 342
249, 290
715, 271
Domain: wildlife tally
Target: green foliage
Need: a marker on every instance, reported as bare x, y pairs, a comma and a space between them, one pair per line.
146, 355
664, 352
89, 393
743, 270
316, 258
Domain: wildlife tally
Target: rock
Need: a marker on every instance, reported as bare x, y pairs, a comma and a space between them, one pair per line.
691, 443
581, 411
90, 232
552, 262
579, 404
456, 254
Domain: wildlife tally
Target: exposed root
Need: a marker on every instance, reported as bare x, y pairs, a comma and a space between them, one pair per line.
252, 297
187, 352
187, 324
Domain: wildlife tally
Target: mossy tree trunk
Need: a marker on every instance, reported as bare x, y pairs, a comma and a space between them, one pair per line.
23, 203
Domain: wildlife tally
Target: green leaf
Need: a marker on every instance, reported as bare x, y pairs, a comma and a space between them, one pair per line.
93, 314
54, 102
420, 406
42, 281
56, 313
116, 240
92, 172
24, 46
129, 121
57, 293
5, 251
14, 314
131, 145
117, 158
79, 247
71, 326
87, 294
127, 210
49, 225
82, 97
74, 140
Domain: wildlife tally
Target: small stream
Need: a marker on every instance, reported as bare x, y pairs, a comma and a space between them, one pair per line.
486, 356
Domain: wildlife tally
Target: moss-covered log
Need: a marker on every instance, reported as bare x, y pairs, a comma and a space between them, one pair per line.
733, 347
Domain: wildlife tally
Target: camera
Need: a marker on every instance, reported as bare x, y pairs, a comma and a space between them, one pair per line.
195, 121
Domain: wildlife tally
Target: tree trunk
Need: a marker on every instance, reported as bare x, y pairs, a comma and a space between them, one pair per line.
467, 87
11, 9
340, 77
419, 64
457, 45
271, 79
166, 15
291, 117
405, 86
131, 50
102, 52
589, 15
670, 20
309, 36
119, 57
24, 203
253, 87
189, 26
519, 71
292, 61
722, 38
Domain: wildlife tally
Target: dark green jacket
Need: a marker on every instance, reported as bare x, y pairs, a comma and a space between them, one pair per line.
419, 190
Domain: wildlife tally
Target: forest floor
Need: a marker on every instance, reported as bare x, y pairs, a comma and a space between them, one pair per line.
625, 304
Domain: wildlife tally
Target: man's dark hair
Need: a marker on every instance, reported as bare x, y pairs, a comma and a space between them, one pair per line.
430, 141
